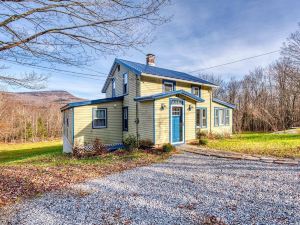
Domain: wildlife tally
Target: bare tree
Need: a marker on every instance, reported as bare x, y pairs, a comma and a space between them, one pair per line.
291, 48
70, 31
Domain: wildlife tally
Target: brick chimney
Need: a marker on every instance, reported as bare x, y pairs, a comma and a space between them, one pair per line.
150, 59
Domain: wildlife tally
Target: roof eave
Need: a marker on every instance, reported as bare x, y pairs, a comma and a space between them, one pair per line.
221, 102
90, 102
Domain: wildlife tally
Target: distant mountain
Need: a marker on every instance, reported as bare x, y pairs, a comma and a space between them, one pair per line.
57, 97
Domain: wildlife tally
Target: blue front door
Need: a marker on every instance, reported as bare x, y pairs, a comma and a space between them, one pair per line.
177, 124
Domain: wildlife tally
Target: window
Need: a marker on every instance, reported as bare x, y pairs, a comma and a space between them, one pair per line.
201, 117
168, 86
227, 117
125, 83
99, 118
113, 85
217, 119
196, 91
222, 117
125, 118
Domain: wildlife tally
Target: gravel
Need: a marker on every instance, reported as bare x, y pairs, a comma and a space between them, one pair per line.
186, 189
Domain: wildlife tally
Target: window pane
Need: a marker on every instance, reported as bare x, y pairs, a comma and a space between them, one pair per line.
125, 78
198, 117
196, 91
203, 118
222, 116
168, 87
99, 123
216, 117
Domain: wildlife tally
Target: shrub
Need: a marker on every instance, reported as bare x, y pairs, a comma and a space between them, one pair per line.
146, 144
201, 136
203, 141
98, 147
168, 147
77, 151
130, 142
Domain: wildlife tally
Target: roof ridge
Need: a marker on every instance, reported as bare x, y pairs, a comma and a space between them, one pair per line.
170, 70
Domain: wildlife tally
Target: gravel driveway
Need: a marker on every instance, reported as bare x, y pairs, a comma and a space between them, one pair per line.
184, 190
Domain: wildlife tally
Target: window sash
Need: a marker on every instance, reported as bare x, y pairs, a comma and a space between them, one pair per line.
99, 118
113, 88
227, 117
125, 83
125, 119
201, 117
196, 91
168, 85
216, 119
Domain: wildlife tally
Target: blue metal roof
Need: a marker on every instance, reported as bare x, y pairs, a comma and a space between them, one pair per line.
223, 103
90, 102
139, 68
167, 94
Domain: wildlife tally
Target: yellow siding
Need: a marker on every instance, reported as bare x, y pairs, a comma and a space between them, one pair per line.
146, 120
221, 129
161, 121
129, 101
190, 132
85, 134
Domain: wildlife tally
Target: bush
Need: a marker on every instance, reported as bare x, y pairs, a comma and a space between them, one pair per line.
98, 147
130, 142
201, 136
168, 147
146, 144
203, 141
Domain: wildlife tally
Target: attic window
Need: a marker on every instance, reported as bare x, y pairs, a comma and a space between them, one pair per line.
118, 68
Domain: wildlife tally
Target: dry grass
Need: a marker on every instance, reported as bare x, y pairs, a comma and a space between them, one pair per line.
32, 169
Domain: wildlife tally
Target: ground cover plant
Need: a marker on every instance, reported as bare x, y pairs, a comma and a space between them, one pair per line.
30, 169
269, 144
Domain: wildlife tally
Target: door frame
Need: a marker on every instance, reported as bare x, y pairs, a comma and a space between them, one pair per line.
171, 123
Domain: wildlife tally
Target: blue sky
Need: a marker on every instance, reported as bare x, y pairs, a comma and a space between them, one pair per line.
201, 34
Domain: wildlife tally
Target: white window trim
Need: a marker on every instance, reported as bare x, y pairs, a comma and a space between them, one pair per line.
94, 117
201, 118
224, 110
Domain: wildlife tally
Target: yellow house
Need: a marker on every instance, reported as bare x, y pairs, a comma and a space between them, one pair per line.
161, 105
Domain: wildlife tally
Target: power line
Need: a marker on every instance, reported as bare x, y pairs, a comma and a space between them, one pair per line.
235, 61
49, 68
53, 69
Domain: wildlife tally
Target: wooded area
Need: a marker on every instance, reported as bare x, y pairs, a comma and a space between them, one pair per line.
267, 99
33, 116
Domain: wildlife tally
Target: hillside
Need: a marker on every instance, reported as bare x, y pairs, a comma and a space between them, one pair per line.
42, 97
32, 116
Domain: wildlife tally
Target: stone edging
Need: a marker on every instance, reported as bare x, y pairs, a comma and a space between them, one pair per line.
237, 156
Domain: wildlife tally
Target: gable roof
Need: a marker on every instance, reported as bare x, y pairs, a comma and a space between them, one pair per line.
139, 68
167, 94
221, 102
90, 102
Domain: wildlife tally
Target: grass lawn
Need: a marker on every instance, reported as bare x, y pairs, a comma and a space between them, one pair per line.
279, 145
33, 168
